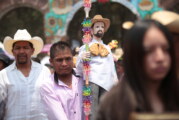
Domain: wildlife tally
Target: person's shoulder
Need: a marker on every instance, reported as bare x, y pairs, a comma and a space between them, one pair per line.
118, 102
119, 95
48, 80
113, 93
44, 68
6, 70
36, 64
108, 103
47, 84
3, 71
117, 92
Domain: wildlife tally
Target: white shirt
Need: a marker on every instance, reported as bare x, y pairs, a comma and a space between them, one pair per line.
102, 69
23, 101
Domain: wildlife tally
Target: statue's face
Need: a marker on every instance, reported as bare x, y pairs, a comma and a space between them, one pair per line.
98, 29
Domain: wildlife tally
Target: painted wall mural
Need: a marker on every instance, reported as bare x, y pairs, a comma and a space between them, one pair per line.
55, 19
61, 13
146, 7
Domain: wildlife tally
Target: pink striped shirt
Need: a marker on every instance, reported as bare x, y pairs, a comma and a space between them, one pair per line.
62, 102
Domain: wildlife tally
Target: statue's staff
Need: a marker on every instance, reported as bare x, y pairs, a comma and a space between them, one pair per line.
86, 63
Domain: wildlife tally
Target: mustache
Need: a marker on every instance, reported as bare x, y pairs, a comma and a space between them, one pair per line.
99, 31
99, 35
22, 55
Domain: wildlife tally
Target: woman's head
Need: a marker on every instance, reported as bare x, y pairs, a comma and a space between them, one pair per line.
149, 56
148, 51
157, 59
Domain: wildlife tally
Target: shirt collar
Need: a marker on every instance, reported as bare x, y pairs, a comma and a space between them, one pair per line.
64, 85
61, 83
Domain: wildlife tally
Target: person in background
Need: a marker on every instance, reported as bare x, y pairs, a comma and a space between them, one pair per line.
50, 67
150, 82
20, 81
75, 55
45, 61
62, 94
102, 69
4, 61
119, 68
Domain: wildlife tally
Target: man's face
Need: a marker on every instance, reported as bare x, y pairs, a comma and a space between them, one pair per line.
98, 29
62, 62
22, 52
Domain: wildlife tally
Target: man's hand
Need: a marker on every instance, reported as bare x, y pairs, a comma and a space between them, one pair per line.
86, 55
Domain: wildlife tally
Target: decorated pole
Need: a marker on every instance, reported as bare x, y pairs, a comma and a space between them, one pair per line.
86, 63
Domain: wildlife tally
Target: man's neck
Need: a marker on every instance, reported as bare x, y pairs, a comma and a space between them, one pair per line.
67, 79
24, 68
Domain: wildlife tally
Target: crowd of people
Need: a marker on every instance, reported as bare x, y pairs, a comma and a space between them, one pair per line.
142, 80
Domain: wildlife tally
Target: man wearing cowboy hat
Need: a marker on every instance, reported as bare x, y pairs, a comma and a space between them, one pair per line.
19, 82
102, 70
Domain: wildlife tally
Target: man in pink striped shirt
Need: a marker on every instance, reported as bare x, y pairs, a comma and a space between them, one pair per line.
62, 94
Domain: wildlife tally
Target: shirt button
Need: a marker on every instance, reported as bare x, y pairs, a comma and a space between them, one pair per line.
74, 112
76, 94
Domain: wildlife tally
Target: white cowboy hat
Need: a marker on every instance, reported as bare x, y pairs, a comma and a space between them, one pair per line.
99, 18
167, 18
23, 35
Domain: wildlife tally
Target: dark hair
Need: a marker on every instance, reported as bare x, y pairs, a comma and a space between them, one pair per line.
75, 52
61, 45
133, 60
5, 59
31, 45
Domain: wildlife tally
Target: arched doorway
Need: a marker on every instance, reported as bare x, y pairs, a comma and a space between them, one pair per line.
22, 18
116, 12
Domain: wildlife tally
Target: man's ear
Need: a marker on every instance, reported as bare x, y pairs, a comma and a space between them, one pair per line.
12, 51
51, 62
33, 51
